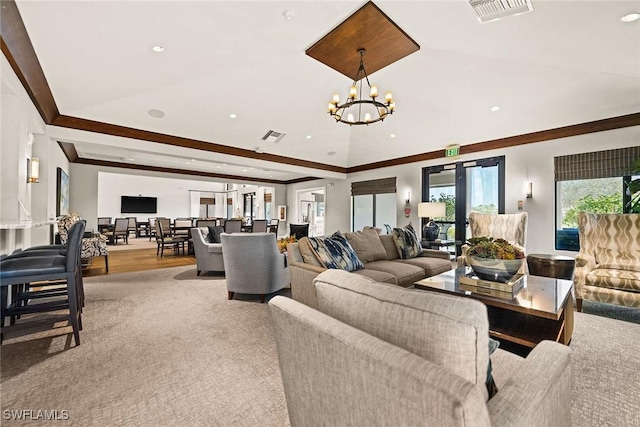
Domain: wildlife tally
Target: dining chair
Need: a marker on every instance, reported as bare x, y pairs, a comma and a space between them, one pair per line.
104, 223
299, 230
273, 226
46, 268
233, 226
151, 231
132, 226
164, 240
181, 227
121, 229
259, 226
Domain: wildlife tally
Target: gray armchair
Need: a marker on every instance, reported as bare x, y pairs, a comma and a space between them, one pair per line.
253, 264
208, 255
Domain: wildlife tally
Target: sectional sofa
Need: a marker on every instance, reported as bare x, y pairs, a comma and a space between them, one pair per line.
380, 257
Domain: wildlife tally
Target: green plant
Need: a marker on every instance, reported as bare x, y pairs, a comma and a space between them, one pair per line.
487, 247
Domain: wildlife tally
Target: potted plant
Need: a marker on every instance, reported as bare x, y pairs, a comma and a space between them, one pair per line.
495, 260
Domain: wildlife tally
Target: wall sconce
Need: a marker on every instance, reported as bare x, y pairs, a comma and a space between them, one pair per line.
529, 190
33, 170
408, 199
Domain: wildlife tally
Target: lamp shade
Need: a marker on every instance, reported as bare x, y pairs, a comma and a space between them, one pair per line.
431, 210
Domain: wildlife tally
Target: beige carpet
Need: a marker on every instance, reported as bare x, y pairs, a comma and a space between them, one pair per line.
166, 348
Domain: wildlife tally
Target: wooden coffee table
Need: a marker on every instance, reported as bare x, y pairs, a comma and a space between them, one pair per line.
542, 310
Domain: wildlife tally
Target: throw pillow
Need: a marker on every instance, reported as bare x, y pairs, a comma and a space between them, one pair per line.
335, 252
307, 253
214, 234
490, 383
367, 245
407, 242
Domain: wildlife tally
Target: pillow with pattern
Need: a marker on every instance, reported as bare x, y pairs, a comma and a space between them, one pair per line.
407, 242
336, 252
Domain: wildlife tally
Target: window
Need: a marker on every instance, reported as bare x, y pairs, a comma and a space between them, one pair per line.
599, 182
373, 203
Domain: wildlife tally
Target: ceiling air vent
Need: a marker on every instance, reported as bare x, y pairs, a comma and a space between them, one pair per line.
273, 136
490, 10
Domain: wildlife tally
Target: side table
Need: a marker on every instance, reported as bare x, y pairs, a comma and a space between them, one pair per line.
556, 266
437, 244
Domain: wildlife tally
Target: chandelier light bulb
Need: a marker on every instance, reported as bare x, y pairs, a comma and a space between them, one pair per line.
392, 106
367, 117
332, 107
350, 118
388, 97
336, 98
374, 91
353, 92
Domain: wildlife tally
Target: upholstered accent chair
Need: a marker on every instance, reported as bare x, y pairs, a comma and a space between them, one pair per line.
253, 264
93, 246
233, 226
208, 252
510, 227
608, 264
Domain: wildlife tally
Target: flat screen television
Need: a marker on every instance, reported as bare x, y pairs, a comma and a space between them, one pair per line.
135, 204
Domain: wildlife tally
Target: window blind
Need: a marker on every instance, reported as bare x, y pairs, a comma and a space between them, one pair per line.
598, 164
375, 186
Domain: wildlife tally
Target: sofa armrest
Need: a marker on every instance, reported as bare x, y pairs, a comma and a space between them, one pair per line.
584, 264
540, 393
434, 253
302, 288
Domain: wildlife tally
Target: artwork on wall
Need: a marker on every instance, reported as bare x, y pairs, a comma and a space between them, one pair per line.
282, 213
62, 193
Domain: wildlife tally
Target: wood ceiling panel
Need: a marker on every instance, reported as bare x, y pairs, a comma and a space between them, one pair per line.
370, 29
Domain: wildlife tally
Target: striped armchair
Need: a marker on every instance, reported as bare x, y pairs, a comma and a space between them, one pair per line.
510, 227
93, 246
608, 264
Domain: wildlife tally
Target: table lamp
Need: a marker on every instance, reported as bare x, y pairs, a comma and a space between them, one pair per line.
431, 210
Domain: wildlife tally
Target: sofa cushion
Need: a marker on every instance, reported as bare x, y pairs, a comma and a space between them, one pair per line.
214, 233
214, 248
335, 252
624, 280
307, 253
431, 266
378, 276
389, 246
407, 242
618, 259
367, 245
405, 274
448, 330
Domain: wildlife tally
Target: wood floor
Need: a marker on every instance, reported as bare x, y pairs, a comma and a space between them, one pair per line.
136, 260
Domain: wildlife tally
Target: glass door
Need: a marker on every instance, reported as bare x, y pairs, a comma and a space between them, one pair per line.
464, 187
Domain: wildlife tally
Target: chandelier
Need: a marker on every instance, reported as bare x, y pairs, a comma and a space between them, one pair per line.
357, 110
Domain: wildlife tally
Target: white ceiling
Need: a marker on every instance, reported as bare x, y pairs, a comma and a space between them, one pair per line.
567, 62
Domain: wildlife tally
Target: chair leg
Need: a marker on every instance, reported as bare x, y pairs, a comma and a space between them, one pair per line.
230, 295
579, 304
198, 273
262, 298
106, 262
73, 310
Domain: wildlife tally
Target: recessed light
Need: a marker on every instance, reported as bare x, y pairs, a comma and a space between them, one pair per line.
233, 116
156, 114
244, 170
188, 163
495, 108
131, 160
393, 135
218, 167
630, 17
308, 136
288, 14
158, 49
331, 153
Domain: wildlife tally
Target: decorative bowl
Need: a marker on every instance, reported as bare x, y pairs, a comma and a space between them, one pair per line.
495, 270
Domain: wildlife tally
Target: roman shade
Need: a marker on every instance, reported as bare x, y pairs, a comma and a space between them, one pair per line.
598, 164
375, 186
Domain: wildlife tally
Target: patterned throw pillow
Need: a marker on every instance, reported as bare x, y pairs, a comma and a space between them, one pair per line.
336, 252
407, 242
